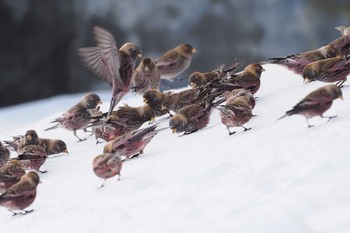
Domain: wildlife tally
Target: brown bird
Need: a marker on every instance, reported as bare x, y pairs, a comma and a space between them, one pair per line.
107, 165
21, 195
175, 61
174, 101
342, 45
32, 157
316, 103
248, 79
113, 65
154, 98
236, 112
132, 144
10, 174
198, 79
78, 116
123, 120
328, 70
4, 155
344, 31
146, 76
235, 93
297, 62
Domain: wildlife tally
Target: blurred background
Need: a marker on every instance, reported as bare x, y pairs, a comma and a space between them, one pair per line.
39, 38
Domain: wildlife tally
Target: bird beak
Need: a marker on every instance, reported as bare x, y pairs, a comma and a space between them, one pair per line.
145, 100
139, 54
193, 85
262, 70
173, 130
341, 97
66, 151
99, 102
307, 80
194, 50
146, 68
29, 137
40, 182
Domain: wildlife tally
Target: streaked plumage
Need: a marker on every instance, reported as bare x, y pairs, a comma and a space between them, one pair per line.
113, 65
21, 195
10, 174
316, 103
146, 76
107, 165
175, 61
78, 116
32, 157
4, 155
330, 70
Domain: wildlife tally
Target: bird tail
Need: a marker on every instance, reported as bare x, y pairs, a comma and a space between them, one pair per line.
288, 113
53, 127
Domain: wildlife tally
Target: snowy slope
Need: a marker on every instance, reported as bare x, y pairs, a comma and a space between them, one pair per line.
278, 177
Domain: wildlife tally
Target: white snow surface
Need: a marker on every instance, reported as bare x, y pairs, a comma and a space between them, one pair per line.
281, 176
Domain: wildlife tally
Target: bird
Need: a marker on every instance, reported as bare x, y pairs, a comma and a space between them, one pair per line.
193, 117
316, 103
174, 101
132, 144
344, 31
175, 61
154, 98
112, 65
78, 116
4, 155
32, 157
248, 79
236, 112
146, 76
297, 62
125, 119
21, 195
235, 93
197, 79
107, 165
10, 174
328, 70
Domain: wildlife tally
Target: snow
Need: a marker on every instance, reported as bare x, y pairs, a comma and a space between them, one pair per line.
281, 176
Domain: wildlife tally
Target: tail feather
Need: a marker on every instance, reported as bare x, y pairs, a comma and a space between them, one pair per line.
53, 127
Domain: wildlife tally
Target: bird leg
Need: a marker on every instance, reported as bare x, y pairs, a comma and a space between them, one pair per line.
329, 117
42, 172
229, 132
136, 88
245, 129
103, 184
340, 83
307, 120
75, 134
119, 176
21, 213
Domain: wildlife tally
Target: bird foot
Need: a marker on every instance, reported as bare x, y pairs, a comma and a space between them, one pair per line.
230, 133
42, 172
310, 126
246, 129
81, 140
330, 117
22, 213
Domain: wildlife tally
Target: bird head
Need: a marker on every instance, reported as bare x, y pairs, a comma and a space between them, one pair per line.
31, 136
132, 50
309, 74
177, 123
196, 79
186, 49
91, 100
148, 64
335, 91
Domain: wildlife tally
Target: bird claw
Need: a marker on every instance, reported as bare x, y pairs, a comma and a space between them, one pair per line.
230, 133
22, 213
42, 172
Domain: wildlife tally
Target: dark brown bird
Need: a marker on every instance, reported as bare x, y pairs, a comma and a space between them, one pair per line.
198, 79
123, 120
175, 61
4, 155
113, 65
10, 174
174, 101
107, 165
316, 103
154, 98
235, 93
236, 112
78, 117
328, 70
248, 79
342, 45
297, 62
133, 143
344, 31
21, 195
32, 157
146, 76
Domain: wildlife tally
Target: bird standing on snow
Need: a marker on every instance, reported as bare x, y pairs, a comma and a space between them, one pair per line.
316, 103
4, 155
10, 174
175, 61
113, 65
107, 165
21, 195
197, 79
78, 116
328, 70
146, 76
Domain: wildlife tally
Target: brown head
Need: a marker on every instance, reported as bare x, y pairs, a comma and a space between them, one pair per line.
91, 100
196, 79
177, 123
334, 90
59, 146
131, 50
31, 137
309, 73
32, 178
148, 64
254, 68
186, 50
153, 97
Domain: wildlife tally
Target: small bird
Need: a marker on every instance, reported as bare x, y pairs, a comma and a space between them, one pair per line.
107, 165
113, 65
78, 116
154, 98
4, 155
316, 103
236, 112
344, 31
235, 93
123, 120
146, 76
132, 144
174, 101
248, 79
198, 79
175, 61
10, 174
342, 45
32, 157
328, 70
21, 195
297, 62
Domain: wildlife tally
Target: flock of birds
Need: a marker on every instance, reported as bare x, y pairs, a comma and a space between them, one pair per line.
229, 91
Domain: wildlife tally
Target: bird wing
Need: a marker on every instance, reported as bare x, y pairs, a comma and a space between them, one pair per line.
104, 59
